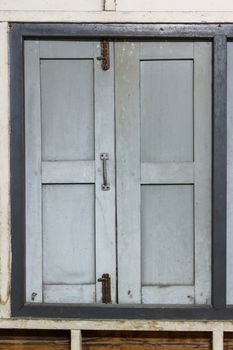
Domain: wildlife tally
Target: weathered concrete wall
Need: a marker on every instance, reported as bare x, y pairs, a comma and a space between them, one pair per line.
160, 11
118, 16
5, 175
77, 11
48, 5
177, 5
120, 5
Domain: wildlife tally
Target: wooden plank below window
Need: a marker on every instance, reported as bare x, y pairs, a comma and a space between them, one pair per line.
146, 340
34, 340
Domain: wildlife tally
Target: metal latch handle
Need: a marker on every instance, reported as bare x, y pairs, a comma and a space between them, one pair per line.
105, 186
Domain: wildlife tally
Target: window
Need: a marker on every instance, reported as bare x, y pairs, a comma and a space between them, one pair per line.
118, 175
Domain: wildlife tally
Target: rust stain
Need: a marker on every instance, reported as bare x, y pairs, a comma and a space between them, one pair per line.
164, 285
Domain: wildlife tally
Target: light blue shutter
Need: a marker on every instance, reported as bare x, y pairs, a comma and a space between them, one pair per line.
163, 123
70, 221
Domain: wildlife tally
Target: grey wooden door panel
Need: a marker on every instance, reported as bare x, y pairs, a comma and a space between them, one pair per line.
203, 166
166, 50
65, 135
105, 200
68, 234
172, 120
128, 172
167, 235
162, 141
68, 172
181, 172
33, 171
69, 293
166, 110
67, 109
66, 49
175, 294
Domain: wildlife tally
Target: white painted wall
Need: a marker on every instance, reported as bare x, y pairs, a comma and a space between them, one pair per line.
48, 5
121, 5
177, 5
141, 11
5, 175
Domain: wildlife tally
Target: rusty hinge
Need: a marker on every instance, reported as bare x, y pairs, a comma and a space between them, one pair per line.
106, 288
105, 58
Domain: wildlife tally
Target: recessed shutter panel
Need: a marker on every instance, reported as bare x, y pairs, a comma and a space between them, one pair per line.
70, 221
163, 123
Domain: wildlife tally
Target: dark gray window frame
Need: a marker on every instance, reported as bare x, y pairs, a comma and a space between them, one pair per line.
218, 34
